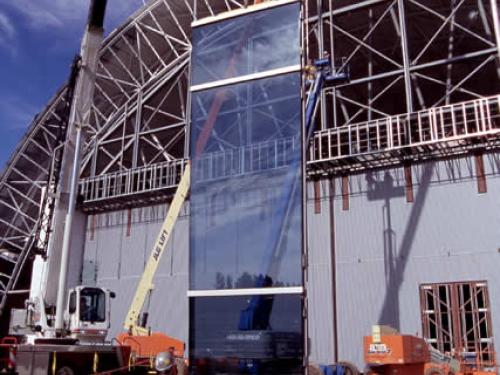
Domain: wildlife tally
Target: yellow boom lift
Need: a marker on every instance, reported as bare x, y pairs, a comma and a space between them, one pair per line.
144, 343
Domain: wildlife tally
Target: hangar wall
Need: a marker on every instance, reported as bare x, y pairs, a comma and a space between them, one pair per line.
385, 248
116, 251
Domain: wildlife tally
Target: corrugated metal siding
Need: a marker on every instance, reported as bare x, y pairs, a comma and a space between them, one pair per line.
77, 250
387, 247
118, 261
449, 233
319, 286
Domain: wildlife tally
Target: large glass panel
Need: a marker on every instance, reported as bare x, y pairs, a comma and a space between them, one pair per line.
246, 189
252, 43
223, 340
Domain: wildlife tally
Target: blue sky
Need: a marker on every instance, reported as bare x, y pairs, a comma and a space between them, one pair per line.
38, 39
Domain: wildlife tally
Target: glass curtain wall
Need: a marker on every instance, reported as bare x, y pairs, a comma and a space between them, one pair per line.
246, 194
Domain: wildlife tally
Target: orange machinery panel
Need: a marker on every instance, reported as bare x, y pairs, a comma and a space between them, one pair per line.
151, 345
396, 350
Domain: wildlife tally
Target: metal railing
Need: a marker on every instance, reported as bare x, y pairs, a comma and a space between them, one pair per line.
132, 182
364, 145
210, 166
428, 131
254, 158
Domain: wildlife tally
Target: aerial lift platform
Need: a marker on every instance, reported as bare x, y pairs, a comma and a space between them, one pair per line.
388, 352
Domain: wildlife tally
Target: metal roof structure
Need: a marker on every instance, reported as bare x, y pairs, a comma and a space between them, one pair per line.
424, 83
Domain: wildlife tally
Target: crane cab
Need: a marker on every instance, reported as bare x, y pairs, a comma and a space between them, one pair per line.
87, 313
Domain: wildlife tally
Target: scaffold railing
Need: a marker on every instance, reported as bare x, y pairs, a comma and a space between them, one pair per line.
116, 185
445, 130
432, 132
216, 165
254, 158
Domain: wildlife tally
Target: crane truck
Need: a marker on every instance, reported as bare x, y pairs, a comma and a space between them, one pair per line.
67, 335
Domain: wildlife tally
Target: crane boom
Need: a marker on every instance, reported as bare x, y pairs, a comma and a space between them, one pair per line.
146, 283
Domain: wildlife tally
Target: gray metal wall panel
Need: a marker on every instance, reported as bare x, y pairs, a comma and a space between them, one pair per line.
181, 245
319, 286
89, 267
108, 241
131, 254
77, 250
120, 260
124, 289
387, 247
169, 307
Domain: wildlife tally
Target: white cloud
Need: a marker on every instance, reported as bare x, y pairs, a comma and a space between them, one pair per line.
17, 112
6, 26
59, 14
48, 13
7, 30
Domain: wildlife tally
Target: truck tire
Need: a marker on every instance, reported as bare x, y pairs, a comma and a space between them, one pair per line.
65, 371
434, 370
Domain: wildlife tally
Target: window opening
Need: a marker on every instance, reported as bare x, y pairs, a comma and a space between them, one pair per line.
92, 305
456, 319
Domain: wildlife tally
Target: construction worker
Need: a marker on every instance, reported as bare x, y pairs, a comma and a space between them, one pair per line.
85, 310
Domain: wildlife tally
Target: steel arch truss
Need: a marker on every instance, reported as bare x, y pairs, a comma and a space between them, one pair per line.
140, 106
138, 119
22, 185
404, 55
418, 68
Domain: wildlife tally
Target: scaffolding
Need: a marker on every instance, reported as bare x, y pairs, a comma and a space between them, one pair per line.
104, 192
435, 132
456, 318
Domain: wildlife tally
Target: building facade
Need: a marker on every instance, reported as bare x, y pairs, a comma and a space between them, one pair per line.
403, 172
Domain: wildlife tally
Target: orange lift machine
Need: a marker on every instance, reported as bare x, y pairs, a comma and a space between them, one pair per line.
387, 352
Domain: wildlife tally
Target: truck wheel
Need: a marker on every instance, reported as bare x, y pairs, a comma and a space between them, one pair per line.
65, 371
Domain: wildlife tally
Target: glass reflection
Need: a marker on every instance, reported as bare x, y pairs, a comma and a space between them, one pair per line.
248, 44
246, 217
246, 335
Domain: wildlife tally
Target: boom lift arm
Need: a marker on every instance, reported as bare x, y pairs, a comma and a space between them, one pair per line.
132, 323
256, 315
